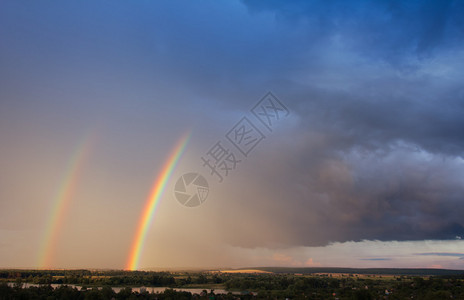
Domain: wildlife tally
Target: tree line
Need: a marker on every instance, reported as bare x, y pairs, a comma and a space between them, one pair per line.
262, 286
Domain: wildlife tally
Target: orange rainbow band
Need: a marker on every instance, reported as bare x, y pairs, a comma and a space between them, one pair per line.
152, 202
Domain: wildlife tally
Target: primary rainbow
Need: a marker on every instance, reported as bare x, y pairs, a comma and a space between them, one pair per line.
62, 200
152, 202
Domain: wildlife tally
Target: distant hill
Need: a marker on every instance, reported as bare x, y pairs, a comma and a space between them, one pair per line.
374, 271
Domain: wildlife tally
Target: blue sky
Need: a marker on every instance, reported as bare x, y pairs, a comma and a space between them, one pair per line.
370, 157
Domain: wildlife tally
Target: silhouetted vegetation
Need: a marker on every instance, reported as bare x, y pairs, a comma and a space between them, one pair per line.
98, 285
370, 271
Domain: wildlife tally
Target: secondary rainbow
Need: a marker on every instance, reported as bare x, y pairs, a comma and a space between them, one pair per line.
61, 201
152, 202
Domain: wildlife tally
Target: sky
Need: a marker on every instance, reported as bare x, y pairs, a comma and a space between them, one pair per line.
340, 122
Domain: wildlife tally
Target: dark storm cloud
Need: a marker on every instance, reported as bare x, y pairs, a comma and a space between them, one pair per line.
377, 152
428, 117
316, 196
380, 107
390, 30
381, 163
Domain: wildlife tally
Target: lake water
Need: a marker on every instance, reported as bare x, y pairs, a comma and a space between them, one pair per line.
117, 289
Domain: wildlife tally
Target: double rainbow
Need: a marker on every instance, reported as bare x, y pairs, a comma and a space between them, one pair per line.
152, 202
